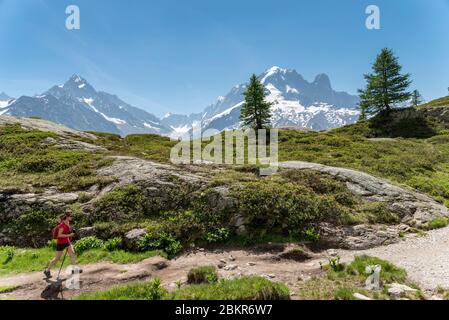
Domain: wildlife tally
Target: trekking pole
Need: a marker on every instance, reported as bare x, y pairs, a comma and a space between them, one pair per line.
62, 264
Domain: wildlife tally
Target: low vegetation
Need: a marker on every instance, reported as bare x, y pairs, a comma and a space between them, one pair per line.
16, 260
6, 289
441, 102
147, 146
205, 274
438, 223
341, 281
31, 160
245, 288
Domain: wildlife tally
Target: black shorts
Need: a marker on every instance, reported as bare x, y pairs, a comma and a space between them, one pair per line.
62, 246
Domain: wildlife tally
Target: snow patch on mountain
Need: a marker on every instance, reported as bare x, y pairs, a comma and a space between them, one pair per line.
295, 103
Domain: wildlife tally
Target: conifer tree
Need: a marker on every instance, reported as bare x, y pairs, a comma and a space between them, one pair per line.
386, 86
255, 112
416, 98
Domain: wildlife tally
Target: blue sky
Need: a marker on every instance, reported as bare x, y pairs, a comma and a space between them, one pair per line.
178, 56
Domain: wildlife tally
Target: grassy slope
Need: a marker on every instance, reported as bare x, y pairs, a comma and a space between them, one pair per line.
437, 103
28, 163
418, 156
29, 260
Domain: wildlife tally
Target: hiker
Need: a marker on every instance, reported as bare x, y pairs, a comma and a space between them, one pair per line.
63, 234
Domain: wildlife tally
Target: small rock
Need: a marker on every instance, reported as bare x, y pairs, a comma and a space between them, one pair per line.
332, 252
221, 265
223, 261
230, 267
132, 238
231, 258
201, 249
251, 264
360, 296
161, 265
397, 291
271, 276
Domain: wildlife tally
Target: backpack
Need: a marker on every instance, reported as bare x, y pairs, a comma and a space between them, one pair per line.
55, 232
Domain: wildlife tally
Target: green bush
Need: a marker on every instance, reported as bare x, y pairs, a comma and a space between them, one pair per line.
88, 243
273, 205
438, 223
34, 226
205, 274
218, 236
120, 204
160, 241
8, 252
311, 234
113, 244
336, 265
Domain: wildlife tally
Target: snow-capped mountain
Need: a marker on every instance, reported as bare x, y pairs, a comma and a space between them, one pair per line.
296, 103
5, 101
78, 105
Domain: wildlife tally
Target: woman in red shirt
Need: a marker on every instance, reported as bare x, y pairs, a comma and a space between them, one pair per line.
64, 235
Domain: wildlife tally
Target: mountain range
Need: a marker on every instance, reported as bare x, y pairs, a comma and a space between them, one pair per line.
295, 103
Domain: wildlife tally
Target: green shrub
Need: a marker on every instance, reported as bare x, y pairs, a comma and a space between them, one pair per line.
438, 223
311, 234
113, 244
336, 265
160, 241
8, 252
120, 204
34, 226
205, 274
218, 236
344, 293
275, 205
88, 243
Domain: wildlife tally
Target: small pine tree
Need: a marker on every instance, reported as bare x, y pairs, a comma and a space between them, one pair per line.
255, 112
416, 98
386, 86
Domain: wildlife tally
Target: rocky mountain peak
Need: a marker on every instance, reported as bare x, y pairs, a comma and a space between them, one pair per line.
322, 81
4, 96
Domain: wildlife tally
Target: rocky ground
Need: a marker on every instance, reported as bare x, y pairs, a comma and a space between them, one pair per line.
425, 258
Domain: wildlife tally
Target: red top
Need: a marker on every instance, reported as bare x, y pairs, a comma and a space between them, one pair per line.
65, 230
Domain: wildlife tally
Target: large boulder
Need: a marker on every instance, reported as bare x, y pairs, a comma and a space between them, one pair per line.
132, 238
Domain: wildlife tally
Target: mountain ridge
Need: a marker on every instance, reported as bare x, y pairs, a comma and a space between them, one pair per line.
296, 103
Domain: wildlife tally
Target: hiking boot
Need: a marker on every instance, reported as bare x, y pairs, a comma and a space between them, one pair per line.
47, 274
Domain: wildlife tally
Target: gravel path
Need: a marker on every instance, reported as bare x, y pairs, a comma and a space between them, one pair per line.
426, 258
